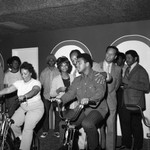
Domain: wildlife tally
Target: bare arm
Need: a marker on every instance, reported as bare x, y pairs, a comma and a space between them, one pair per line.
8, 90
35, 90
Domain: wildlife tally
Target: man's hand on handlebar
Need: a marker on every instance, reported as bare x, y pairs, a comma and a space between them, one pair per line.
58, 101
87, 101
84, 101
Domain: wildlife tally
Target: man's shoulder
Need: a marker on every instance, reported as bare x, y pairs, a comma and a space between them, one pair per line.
97, 67
77, 80
7, 72
117, 68
141, 68
57, 77
100, 75
45, 69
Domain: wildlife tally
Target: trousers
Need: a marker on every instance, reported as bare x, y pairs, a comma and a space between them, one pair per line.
29, 116
89, 123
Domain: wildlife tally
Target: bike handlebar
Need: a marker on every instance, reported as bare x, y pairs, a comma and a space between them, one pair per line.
78, 110
145, 120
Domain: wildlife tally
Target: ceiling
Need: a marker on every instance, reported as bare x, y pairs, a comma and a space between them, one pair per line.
24, 16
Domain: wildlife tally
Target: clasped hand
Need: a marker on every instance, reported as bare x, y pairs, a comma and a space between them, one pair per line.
101, 77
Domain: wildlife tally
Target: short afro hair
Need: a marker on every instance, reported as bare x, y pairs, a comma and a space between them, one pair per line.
133, 53
87, 58
14, 58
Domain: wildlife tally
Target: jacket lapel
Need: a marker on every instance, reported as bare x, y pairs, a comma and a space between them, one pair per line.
101, 65
133, 70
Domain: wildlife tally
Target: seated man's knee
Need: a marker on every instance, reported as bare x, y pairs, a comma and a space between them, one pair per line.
86, 124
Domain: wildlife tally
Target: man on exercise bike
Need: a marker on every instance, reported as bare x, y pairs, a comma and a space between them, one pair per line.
85, 89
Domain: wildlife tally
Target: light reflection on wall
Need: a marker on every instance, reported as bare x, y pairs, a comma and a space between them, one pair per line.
65, 47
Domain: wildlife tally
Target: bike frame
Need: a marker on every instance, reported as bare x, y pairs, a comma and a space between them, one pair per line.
6, 132
5, 128
70, 128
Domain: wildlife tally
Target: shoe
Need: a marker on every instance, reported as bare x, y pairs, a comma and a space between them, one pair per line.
44, 134
57, 134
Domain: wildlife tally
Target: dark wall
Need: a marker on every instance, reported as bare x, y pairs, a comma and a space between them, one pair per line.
96, 38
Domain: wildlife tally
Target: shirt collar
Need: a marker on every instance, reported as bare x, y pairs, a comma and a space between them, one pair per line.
90, 74
133, 65
106, 63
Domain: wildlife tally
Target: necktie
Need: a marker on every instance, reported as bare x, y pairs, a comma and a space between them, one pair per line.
127, 72
108, 68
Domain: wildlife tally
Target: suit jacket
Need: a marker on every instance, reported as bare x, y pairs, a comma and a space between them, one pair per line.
138, 85
113, 86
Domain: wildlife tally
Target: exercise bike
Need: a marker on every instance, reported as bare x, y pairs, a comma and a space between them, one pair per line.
70, 129
7, 137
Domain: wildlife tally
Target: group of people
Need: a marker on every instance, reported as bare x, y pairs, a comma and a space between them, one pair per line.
110, 84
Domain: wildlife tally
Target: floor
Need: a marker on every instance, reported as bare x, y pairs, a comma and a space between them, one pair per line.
52, 143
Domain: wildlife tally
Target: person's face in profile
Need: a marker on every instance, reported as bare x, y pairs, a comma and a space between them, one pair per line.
81, 65
73, 58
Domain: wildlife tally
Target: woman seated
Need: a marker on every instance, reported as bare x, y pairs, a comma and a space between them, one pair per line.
31, 111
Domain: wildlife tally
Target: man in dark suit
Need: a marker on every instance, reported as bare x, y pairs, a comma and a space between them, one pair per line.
136, 84
113, 81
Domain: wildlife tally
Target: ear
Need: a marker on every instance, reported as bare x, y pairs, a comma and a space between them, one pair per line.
135, 59
87, 64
